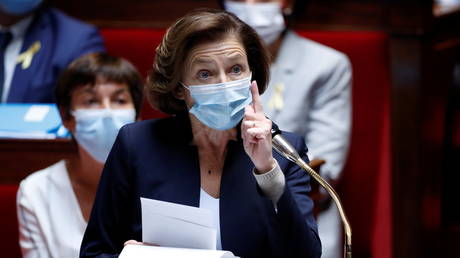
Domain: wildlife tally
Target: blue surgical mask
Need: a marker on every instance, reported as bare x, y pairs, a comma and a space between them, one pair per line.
19, 7
221, 106
97, 129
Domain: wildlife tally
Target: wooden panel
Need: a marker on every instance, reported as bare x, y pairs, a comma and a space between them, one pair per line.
343, 15
318, 14
127, 14
406, 73
422, 73
22, 157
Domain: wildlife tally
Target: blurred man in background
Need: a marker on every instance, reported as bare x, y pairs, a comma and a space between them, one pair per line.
309, 93
36, 44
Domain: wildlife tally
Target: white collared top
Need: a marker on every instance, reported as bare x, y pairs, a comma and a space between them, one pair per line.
50, 220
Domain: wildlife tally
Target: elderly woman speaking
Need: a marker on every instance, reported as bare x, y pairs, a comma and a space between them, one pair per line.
214, 152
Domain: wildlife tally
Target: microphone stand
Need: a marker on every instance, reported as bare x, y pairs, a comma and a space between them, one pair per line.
283, 147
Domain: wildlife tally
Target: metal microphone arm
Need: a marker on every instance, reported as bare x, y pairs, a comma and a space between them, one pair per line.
283, 147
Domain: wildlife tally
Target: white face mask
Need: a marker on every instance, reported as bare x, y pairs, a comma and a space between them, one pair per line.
265, 18
97, 129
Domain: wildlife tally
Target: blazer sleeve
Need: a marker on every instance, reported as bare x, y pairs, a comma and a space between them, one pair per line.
73, 38
297, 225
90, 41
110, 221
329, 120
31, 238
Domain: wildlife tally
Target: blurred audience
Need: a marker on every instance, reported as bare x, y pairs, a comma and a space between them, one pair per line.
96, 95
309, 93
36, 44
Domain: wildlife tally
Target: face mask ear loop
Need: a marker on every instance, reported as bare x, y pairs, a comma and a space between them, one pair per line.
188, 88
183, 85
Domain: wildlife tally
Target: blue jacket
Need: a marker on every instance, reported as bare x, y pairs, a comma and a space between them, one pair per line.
62, 40
154, 159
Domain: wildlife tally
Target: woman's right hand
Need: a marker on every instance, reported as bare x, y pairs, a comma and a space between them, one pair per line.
256, 134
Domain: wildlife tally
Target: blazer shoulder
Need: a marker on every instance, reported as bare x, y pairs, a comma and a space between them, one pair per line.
65, 22
295, 139
313, 48
38, 183
71, 37
152, 129
144, 126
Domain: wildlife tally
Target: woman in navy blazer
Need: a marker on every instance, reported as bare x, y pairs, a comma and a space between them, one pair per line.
216, 147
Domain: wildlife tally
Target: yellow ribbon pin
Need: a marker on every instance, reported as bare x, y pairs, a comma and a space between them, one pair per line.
26, 57
276, 102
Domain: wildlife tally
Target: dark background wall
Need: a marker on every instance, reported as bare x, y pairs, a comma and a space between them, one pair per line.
423, 50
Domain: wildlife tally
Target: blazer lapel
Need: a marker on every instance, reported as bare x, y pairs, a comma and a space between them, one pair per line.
186, 177
241, 206
282, 75
175, 173
23, 78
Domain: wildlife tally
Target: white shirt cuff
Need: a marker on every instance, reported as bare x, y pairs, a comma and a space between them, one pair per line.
272, 183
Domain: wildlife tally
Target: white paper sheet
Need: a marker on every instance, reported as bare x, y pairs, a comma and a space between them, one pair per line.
142, 251
36, 113
175, 225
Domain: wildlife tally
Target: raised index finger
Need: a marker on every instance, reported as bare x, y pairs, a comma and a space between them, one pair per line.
256, 101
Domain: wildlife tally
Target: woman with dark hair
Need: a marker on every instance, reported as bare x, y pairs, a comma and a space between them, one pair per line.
96, 95
215, 152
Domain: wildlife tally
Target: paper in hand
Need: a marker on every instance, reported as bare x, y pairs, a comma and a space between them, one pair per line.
174, 225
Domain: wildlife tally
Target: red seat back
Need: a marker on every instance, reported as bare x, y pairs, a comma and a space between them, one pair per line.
365, 186
9, 242
138, 46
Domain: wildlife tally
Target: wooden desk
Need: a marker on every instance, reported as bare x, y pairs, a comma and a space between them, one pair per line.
20, 157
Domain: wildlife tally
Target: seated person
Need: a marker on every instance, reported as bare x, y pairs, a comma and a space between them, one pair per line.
36, 44
96, 95
215, 152
309, 93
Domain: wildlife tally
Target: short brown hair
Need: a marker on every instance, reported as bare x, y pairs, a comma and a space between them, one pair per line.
197, 27
88, 69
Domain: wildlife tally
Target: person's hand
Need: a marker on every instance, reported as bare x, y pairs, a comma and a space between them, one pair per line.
256, 134
134, 242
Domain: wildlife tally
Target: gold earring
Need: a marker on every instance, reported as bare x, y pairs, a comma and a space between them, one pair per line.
287, 11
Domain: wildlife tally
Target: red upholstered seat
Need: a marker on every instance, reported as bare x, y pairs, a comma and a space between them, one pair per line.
138, 46
9, 242
366, 184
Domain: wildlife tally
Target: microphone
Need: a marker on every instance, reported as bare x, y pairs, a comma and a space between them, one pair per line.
283, 147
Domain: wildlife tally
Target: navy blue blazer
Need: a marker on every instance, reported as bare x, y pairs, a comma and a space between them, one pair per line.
62, 40
154, 159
